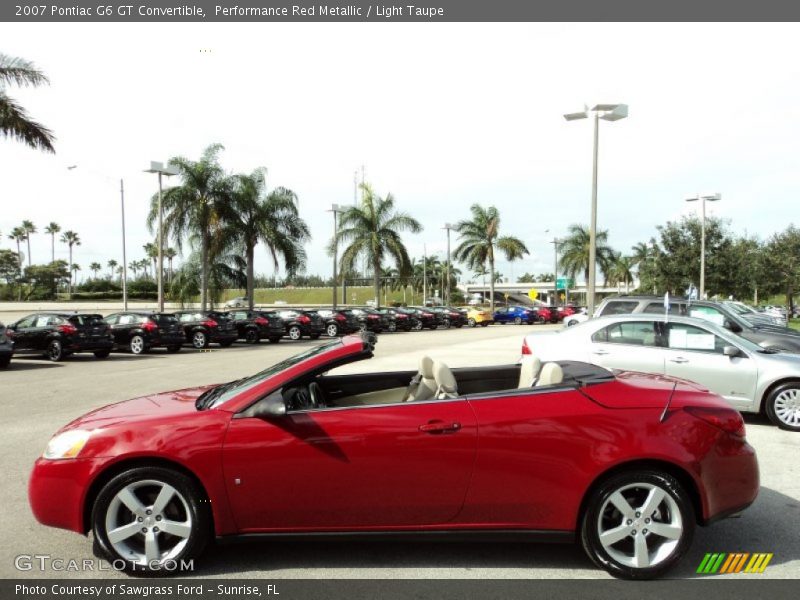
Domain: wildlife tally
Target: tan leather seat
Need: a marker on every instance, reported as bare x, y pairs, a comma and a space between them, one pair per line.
423, 385
446, 386
551, 374
529, 371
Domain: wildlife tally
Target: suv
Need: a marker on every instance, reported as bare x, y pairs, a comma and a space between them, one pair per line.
774, 337
141, 331
56, 335
254, 325
210, 327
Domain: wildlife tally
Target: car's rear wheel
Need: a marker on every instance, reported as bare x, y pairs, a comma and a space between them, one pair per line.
295, 333
417, 326
637, 525
392, 327
571, 323
137, 344
55, 352
200, 340
151, 519
517, 320
783, 406
471, 322
251, 336
332, 330
102, 354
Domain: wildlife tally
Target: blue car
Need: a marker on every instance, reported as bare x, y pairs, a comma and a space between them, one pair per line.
516, 314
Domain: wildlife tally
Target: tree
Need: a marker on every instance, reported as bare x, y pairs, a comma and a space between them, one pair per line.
112, 264
14, 120
134, 266
526, 278
70, 238
151, 250
195, 206
372, 232
9, 266
95, 268
782, 260
480, 240
52, 229
226, 270
170, 254
74, 268
272, 218
545, 277
575, 252
44, 279
29, 228
18, 235
619, 270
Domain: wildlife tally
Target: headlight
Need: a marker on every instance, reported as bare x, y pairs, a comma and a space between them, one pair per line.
67, 445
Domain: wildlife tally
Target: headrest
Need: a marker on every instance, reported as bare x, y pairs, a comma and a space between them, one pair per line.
531, 365
426, 367
444, 376
551, 374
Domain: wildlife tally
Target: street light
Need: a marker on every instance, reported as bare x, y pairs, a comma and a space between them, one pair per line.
607, 112
335, 209
555, 243
157, 167
703, 200
446, 294
124, 258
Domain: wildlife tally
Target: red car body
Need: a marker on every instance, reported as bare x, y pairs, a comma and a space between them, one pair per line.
514, 463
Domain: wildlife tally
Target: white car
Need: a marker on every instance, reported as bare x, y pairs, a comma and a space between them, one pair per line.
238, 302
580, 317
748, 376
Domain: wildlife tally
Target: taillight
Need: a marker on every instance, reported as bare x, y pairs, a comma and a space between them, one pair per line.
261, 321
726, 419
210, 323
303, 319
149, 326
340, 317
401, 316
525, 348
372, 316
67, 329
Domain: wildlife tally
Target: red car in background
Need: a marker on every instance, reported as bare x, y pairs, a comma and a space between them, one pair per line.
626, 464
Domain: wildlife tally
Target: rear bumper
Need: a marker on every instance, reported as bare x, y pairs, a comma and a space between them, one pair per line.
730, 477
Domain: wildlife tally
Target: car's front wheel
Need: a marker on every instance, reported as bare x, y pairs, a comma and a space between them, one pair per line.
151, 520
783, 406
638, 525
471, 322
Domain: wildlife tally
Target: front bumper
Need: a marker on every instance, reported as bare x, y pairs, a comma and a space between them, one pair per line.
57, 491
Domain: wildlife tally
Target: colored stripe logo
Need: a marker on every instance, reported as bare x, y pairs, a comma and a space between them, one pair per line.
718, 563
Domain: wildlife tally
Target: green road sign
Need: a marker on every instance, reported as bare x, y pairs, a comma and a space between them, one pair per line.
563, 282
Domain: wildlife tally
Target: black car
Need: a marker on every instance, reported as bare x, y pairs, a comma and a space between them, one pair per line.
57, 335
450, 317
6, 347
139, 332
203, 328
371, 319
427, 319
400, 320
300, 323
255, 325
339, 322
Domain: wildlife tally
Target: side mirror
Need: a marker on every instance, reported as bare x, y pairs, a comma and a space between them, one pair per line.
272, 406
731, 351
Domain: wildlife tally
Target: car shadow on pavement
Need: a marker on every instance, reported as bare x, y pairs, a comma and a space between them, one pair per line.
29, 364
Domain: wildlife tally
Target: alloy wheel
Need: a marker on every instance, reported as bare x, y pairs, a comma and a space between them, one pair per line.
332, 330
199, 339
295, 333
786, 407
137, 344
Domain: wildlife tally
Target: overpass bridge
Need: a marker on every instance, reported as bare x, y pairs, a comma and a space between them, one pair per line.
517, 293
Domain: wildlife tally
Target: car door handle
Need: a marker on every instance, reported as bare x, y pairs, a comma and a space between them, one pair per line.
439, 427
600, 351
679, 360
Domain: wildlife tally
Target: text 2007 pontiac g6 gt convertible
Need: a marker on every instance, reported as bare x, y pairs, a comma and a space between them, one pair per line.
627, 464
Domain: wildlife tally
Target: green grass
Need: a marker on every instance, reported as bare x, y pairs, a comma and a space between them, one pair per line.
311, 296
794, 324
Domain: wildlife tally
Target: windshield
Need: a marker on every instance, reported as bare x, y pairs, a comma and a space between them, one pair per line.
222, 393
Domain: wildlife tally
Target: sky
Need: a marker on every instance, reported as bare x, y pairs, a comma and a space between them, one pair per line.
440, 115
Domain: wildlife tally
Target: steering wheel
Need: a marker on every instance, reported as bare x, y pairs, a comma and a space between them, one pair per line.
317, 396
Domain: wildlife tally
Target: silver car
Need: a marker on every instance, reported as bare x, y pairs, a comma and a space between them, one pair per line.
748, 376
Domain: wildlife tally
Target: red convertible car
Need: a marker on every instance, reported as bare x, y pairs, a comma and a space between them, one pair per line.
626, 464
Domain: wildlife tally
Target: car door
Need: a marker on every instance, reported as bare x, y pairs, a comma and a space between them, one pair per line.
388, 465
628, 345
38, 334
696, 354
21, 334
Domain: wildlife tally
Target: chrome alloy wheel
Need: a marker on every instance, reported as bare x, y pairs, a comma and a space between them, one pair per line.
199, 340
332, 330
640, 525
148, 522
787, 407
137, 344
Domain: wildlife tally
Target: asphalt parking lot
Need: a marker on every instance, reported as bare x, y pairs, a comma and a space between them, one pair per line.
38, 397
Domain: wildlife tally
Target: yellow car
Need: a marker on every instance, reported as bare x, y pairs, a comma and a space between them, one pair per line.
478, 316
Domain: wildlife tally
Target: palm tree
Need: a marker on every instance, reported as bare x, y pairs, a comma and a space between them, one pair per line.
52, 229
272, 218
373, 231
95, 268
73, 269
14, 121
195, 206
575, 252
134, 266
70, 238
480, 240
18, 235
112, 264
29, 228
620, 270
151, 249
169, 254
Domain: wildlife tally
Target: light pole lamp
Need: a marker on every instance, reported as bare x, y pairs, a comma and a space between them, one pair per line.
335, 209
607, 112
157, 167
703, 199
446, 294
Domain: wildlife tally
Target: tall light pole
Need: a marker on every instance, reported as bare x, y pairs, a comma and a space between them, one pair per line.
335, 209
555, 243
124, 257
157, 167
446, 294
703, 200
607, 112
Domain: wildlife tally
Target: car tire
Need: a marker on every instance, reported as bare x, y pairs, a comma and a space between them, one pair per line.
251, 336
446, 323
417, 326
173, 349
200, 340
101, 354
517, 320
137, 345
632, 544
332, 330
392, 327
178, 531
55, 352
471, 322
783, 406
295, 333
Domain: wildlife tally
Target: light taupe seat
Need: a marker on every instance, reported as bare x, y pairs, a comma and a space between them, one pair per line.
446, 386
551, 374
529, 371
423, 385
